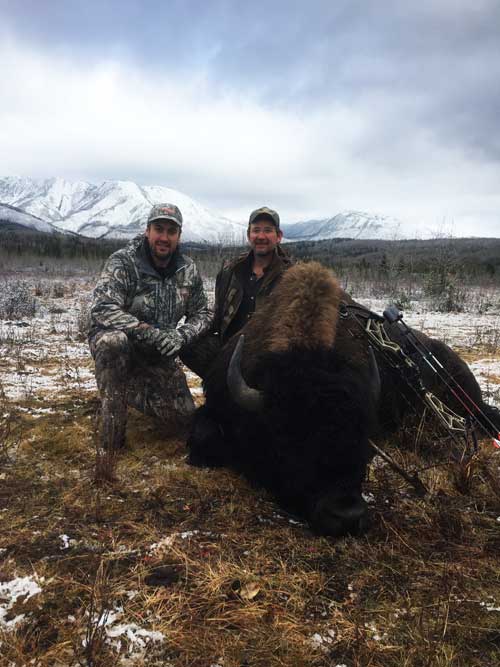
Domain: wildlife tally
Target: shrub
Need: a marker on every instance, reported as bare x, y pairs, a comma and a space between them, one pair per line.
17, 300
450, 300
83, 317
58, 290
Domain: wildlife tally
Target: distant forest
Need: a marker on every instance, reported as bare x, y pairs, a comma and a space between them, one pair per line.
473, 260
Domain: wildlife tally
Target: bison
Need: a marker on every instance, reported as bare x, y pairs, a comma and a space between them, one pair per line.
292, 403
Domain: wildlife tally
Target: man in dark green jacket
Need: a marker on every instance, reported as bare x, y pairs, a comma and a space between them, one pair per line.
145, 289
241, 286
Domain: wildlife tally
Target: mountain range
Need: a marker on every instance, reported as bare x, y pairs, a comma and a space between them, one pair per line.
119, 209
348, 224
16, 216
111, 209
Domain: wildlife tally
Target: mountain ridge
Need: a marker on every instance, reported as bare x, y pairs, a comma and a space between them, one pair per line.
119, 209
112, 208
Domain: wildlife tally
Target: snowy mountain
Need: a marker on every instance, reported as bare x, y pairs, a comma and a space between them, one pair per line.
348, 224
112, 208
119, 209
11, 214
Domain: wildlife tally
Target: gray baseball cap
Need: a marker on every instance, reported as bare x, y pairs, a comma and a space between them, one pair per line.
165, 212
265, 212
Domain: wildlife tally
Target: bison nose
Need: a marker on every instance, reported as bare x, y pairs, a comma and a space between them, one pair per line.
340, 515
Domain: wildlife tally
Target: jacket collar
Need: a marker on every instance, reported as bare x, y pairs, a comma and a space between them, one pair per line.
140, 246
280, 260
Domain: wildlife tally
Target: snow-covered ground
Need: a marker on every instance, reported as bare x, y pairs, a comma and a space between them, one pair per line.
45, 358
475, 336
48, 354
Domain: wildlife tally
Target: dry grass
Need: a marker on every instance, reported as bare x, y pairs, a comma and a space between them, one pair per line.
215, 566
231, 579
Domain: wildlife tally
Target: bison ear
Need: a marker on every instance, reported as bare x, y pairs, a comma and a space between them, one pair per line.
246, 397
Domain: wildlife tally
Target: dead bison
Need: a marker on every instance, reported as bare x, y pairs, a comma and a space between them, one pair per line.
294, 409
299, 423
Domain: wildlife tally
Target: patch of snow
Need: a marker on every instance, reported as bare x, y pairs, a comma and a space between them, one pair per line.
322, 641
128, 638
188, 533
375, 633
163, 544
11, 591
139, 637
67, 542
489, 606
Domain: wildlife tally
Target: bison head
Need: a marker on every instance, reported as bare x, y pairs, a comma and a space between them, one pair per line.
312, 413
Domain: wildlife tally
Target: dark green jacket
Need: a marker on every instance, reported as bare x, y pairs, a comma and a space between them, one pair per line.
229, 289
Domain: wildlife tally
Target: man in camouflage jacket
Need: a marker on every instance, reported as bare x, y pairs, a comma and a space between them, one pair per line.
241, 286
144, 290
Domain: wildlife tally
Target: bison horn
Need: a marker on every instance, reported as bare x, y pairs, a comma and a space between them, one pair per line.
374, 375
247, 398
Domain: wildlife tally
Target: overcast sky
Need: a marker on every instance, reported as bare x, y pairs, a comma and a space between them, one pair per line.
388, 106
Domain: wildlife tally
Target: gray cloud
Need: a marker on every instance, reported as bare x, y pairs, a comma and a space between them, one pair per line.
355, 103
445, 54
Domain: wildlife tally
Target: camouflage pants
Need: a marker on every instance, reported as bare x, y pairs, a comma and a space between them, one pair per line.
129, 373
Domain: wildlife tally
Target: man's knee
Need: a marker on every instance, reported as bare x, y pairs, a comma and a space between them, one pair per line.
111, 352
110, 347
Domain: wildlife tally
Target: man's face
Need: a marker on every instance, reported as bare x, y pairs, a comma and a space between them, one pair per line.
163, 237
263, 237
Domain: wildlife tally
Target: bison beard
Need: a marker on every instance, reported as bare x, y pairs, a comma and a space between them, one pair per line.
308, 442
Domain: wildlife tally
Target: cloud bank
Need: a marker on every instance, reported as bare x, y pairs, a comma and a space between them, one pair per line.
343, 107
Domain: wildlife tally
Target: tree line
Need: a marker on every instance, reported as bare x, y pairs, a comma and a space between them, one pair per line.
468, 259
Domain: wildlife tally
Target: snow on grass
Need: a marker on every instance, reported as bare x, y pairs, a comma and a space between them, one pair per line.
323, 641
468, 333
486, 368
47, 355
21, 588
458, 329
129, 639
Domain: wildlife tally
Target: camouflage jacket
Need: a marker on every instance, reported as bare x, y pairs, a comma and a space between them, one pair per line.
229, 289
130, 291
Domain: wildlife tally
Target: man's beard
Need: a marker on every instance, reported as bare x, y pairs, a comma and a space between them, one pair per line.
163, 258
263, 250
162, 252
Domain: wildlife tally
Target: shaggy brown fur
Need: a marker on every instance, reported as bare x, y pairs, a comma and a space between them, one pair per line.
302, 311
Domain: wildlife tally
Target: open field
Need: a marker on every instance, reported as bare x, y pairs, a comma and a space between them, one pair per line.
177, 566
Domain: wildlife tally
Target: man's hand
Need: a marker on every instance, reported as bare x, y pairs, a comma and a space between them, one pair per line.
167, 342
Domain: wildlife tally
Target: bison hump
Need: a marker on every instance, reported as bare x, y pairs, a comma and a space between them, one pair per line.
303, 310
